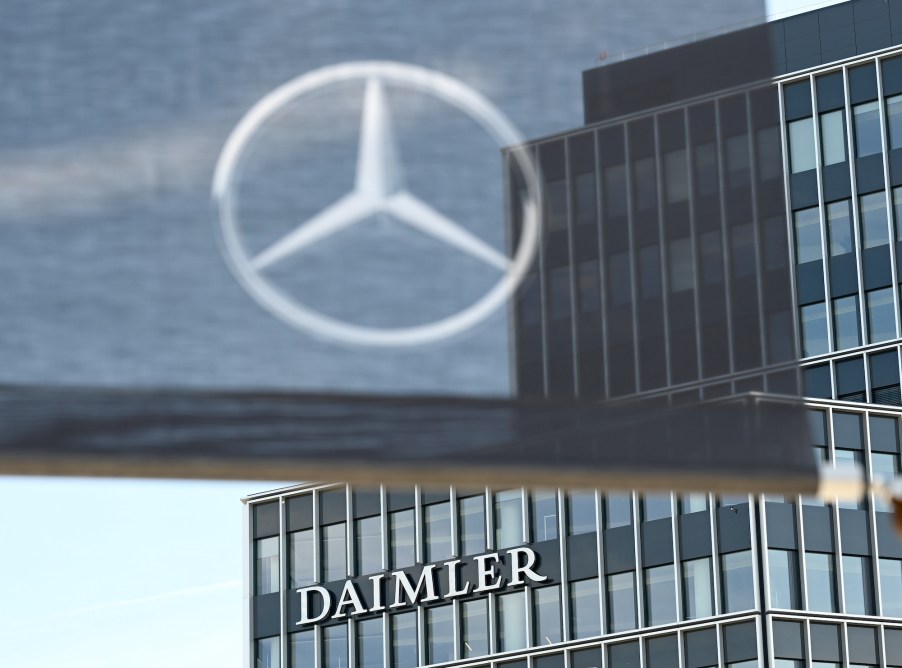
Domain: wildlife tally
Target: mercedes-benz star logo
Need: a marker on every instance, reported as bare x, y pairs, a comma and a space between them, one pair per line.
378, 189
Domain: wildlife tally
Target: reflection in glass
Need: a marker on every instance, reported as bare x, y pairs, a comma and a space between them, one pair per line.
335, 552
508, 518
267, 565
839, 225
547, 615
679, 259
693, 503
402, 538
660, 595
621, 602
268, 653
369, 643
438, 531
589, 286
335, 646
472, 525
656, 506
614, 199
808, 235
303, 650
556, 205
698, 597
738, 161
581, 516
891, 587
368, 545
833, 140
584, 199
544, 515
474, 628
644, 183
585, 609
711, 250
874, 222
897, 211
706, 181
404, 640
846, 457
884, 466
881, 315
821, 583
814, 329
857, 586
894, 121
440, 634
617, 510
650, 271
300, 568
559, 293
783, 572
511, 621
676, 181
846, 328
867, 129
738, 581
801, 145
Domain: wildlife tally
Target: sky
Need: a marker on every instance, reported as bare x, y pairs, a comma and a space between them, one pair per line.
138, 573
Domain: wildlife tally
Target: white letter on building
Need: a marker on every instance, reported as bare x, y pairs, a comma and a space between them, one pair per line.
305, 607
452, 580
377, 592
487, 572
401, 580
517, 571
349, 596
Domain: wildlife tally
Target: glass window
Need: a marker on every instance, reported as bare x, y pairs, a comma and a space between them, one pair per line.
438, 531
846, 328
335, 552
472, 525
681, 266
620, 284
621, 602
402, 538
544, 515
783, 574
617, 510
738, 581
559, 292
897, 211
440, 634
693, 503
848, 457
891, 587
589, 287
335, 646
656, 506
581, 516
770, 154
660, 595
711, 257
698, 597
404, 640
650, 271
369, 643
881, 315
644, 183
267, 653
833, 137
821, 583
814, 329
738, 161
368, 544
808, 235
584, 198
585, 609
883, 466
676, 180
615, 190
303, 650
547, 615
874, 221
556, 205
300, 545
839, 225
847, 432
857, 585
894, 120
508, 518
867, 129
801, 145
267, 565
706, 181
511, 621
474, 628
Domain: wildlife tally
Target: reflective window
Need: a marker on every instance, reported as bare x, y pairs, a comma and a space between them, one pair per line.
897, 211
660, 595
300, 568
698, 596
770, 154
847, 432
894, 121
711, 250
335, 646
644, 183
814, 329
848, 457
676, 180
267, 653
438, 531
617, 510
883, 466
706, 181
650, 271
655, 506
742, 245
556, 205
589, 287
559, 292
267, 565
738, 581
801, 145
368, 545
839, 225
874, 222
508, 518
584, 199
402, 538
693, 503
891, 587
547, 615
511, 621
544, 515
472, 525
335, 552
621, 602
738, 161
585, 609
679, 260
474, 628
881, 315
369, 643
783, 572
615, 190
581, 515
404, 640
808, 235
821, 583
440, 634
833, 137
857, 585
303, 650
846, 327
867, 129
620, 283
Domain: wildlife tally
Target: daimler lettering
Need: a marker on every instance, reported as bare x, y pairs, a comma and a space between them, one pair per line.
399, 588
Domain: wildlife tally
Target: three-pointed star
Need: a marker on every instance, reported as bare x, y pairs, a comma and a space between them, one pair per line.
378, 188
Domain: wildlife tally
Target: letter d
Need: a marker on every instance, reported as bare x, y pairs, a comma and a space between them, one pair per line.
305, 604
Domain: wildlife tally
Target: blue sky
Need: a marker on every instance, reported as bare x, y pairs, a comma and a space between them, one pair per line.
130, 573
